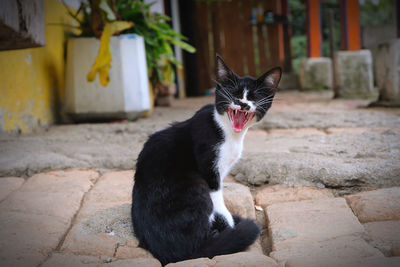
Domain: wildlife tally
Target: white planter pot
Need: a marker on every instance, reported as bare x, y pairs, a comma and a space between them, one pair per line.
127, 94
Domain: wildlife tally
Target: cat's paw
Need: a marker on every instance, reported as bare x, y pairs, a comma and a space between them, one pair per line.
222, 220
229, 219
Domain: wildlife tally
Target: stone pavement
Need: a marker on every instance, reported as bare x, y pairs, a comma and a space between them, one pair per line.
305, 139
319, 176
81, 218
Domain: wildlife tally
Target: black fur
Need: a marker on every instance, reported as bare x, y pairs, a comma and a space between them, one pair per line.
171, 196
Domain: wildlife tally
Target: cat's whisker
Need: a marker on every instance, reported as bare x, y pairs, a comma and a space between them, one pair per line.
261, 105
264, 103
263, 88
268, 97
261, 102
228, 99
229, 95
224, 93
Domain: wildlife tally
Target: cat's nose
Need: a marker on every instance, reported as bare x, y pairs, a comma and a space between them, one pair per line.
244, 106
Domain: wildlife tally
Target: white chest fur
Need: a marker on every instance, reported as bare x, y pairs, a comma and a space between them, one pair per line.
228, 153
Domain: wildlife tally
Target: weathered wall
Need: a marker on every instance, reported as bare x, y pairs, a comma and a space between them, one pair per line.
32, 80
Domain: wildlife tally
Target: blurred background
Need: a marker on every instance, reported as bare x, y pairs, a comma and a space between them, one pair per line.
338, 45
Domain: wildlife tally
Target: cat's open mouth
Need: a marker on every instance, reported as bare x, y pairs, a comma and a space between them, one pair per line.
239, 118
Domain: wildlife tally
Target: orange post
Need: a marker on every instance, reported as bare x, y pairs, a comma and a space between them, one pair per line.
280, 34
350, 25
314, 39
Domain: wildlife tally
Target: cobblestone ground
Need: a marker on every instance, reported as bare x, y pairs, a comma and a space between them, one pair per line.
319, 176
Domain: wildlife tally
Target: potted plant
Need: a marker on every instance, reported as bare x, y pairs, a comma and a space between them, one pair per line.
158, 36
124, 62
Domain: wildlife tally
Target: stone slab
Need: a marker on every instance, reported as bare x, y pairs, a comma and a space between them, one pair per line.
58, 259
293, 223
383, 235
62, 205
139, 262
240, 259
255, 248
387, 71
247, 259
61, 259
68, 180
354, 74
315, 73
333, 160
8, 185
44, 194
200, 262
368, 262
306, 160
343, 248
376, 205
104, 221
26, 238
130, 252
239, 200
111, 189
35, 218
280, 193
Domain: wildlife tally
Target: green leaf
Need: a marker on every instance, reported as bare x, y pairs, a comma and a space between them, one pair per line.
183, 45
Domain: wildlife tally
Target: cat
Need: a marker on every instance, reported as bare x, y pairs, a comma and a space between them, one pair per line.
178, 211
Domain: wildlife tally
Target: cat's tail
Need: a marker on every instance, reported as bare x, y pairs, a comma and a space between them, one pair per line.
230, 240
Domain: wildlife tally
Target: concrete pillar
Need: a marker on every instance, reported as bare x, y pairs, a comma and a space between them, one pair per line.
354, 75
315, 73
388, 73
353, 66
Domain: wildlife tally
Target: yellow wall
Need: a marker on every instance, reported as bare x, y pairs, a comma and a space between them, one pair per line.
32, 80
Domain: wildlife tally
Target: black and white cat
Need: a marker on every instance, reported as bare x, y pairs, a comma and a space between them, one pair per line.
178, 210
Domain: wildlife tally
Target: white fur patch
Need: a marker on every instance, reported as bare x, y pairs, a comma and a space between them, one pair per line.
219, 207
228, 153
245, 101
231, 149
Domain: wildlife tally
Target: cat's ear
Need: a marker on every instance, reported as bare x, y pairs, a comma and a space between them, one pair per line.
223, 71
271, 78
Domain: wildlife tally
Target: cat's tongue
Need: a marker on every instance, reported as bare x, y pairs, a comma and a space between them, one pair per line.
239, 120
